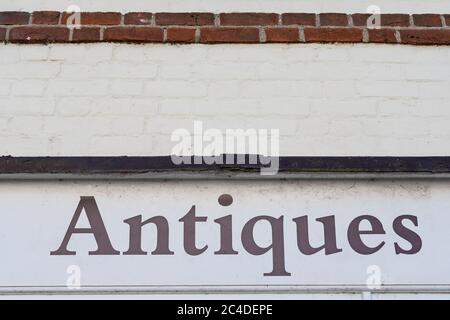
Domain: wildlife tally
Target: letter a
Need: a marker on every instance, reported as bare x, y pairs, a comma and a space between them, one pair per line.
97, 229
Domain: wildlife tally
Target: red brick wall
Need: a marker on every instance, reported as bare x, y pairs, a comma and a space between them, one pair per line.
191, 27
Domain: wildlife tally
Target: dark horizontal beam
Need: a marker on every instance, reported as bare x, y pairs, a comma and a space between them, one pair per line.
164, 164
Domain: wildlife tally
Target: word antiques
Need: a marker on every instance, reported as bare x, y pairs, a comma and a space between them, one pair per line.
276, 248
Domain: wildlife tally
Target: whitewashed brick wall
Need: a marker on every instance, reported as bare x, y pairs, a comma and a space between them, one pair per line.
119, 99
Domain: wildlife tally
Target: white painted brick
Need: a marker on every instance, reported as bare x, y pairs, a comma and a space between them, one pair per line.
383, 52
175, 89
244, 53
86, 88
298, 107
286, 125
24, 145
428, 71
173, 53
25, 125
432, 108
396, 107
387, 89
344, 127
4, 125
440, 128
181, 107
130, 145
281, 89
223, 89
397, 127
84, 54
167, 124
33, 106
434, 89
9, 54
5, 87
126, 88
177, 71
73, 106
69, 145
383, 71
129, 53
336, 90
158, 52
28, 88
227, 71
120, 106
315, 126
300, 53
34, 53
426, 54
366, 107
29, 70
76, 125
333, 54
142, 106
228, 106
127, 126
109, 70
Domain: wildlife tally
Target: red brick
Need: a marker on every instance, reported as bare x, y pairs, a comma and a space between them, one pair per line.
229, 35
382, 36
333, 19
360, 19
134, 34
424, 37
31, 34
138, 18
427, 20
395, 20
333, 35
45, 17
14, 17
95, 18
447, 19
183, 35
2, 34
303, 19
86, 35
248, 19
184, 19
283, 35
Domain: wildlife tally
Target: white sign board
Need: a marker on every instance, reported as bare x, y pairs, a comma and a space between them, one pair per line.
296, 233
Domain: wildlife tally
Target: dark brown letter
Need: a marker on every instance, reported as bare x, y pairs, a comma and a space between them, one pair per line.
407, 234
97, 229
226, 236
277, 245
162, 242
189, 221
329, 227
354, 234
